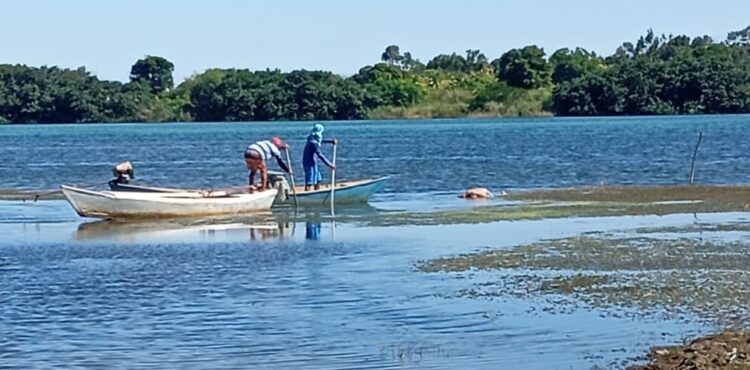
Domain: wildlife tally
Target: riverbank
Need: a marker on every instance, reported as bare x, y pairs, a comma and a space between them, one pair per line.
728, 350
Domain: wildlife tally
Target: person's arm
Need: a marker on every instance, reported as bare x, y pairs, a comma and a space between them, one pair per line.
277, 154
321, 156
330, 141
283, 164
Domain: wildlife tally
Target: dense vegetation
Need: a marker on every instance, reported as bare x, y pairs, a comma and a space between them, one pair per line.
654, 75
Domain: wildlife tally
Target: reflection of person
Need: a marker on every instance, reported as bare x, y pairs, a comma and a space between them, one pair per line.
256, 156
312, 230
284, 230
312, 150
262, 233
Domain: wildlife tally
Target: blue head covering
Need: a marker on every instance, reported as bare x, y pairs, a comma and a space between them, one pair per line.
317, 131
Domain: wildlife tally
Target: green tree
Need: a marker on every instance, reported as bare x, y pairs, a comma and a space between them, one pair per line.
525, 68
567, 64
391, 55
449, 63
475, 61
388, 85
408, 63
741, 37
155, 71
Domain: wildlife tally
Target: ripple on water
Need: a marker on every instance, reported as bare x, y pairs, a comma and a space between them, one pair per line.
353, 301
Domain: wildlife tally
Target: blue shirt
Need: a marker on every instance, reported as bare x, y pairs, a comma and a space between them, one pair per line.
312, 149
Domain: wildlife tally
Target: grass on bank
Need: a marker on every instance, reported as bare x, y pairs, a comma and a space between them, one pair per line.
491, 101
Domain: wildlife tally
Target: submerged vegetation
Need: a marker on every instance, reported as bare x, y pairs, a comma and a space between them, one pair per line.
586, 202
698, 272
654, 75
674, 275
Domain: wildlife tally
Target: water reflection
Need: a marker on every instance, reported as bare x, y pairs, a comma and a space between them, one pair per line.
257, 228
312, 230
260, 227
279, 229
160, 231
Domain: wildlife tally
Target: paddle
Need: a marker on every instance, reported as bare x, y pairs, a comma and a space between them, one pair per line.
291, 177
333, 176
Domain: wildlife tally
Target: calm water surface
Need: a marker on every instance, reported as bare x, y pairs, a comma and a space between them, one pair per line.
277, 291
439, 155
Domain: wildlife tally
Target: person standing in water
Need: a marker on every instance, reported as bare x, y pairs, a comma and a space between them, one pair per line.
256, 156
312, 150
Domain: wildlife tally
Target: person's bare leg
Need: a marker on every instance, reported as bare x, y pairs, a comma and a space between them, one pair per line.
251, 178
263, 179
307, 187
317, 186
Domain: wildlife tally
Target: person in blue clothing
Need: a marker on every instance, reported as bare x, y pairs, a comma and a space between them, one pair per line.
312, 150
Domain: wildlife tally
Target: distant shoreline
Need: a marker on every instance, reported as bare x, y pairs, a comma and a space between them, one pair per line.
378, 119
655, 75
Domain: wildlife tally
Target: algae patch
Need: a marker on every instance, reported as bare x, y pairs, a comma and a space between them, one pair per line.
681, 278
587, 202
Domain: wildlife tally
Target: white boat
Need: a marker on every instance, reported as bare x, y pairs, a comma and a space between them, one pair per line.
128, 204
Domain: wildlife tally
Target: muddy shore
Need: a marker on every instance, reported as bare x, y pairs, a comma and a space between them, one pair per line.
727, 350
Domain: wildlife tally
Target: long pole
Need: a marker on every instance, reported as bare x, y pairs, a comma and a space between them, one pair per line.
291, 177
333, 177
695, 153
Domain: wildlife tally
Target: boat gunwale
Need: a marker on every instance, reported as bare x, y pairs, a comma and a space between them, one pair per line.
341, 186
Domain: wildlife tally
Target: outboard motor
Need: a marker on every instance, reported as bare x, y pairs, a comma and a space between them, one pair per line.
277, 180
123, 173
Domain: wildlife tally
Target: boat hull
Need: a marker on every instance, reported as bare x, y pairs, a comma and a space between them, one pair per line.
350, 192
114, 204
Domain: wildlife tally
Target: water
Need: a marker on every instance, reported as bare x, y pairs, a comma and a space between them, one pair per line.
422, 156
275, 291
315, 294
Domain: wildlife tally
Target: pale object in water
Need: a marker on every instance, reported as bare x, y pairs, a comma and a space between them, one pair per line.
478, 193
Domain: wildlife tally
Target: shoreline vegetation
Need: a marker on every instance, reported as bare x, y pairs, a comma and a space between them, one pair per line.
655, 75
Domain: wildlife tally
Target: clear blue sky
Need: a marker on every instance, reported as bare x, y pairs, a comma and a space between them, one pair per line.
108, 36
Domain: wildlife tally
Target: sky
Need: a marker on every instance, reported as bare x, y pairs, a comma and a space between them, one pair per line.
108, 36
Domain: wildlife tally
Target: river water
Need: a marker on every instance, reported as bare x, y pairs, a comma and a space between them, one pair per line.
305, 291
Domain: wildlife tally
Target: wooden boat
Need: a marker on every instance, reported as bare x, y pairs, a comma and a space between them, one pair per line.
346, 192
131, 204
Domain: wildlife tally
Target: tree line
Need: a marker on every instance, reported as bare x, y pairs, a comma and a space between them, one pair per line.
656, 74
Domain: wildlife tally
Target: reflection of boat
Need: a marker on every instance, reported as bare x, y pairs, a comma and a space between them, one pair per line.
128, 204
346, 192
182, 229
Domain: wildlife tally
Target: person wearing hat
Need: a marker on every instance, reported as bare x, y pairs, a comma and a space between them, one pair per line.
312, 150
256, 156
